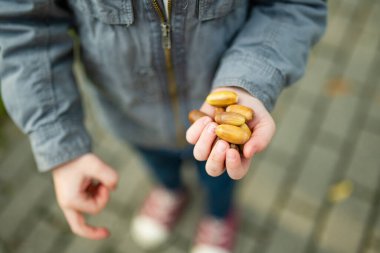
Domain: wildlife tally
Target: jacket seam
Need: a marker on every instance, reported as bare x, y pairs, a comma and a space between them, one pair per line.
50, 77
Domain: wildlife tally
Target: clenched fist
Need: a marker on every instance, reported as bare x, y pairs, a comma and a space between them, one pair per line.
83, 186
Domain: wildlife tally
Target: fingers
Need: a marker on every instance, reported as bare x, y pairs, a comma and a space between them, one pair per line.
195, 130
78, 225
77, 193
93, 204
215, 162
104, 174
237, 166
203, 146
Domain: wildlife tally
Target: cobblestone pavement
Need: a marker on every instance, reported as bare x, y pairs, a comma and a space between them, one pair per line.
315, 190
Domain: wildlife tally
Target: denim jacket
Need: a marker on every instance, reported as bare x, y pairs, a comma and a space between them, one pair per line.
147, 69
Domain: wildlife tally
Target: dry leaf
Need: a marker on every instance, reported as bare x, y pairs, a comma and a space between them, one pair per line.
337, 86
340, 191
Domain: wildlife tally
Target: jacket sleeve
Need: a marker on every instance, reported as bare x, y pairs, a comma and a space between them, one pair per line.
271, 50
37, 82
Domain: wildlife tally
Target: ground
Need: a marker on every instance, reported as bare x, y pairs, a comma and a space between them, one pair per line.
316, 189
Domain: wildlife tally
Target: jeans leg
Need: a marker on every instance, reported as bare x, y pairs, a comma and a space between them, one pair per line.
165, 166
219, 191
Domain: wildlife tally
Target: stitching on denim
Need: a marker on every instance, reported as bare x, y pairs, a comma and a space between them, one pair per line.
50, 76
129, 10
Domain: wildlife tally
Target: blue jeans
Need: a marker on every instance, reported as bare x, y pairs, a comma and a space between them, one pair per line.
165, 166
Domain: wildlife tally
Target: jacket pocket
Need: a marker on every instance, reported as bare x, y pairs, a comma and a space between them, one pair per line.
113, 12
211, 9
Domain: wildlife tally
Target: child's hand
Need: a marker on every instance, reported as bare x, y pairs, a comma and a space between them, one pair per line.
77, 193
221, 156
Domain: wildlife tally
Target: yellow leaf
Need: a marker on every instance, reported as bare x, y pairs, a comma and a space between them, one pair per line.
340, 191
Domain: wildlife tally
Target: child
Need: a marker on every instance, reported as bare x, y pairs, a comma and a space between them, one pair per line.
150, 63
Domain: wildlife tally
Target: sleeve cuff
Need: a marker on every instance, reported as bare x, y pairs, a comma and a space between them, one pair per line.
254, 75
57, 143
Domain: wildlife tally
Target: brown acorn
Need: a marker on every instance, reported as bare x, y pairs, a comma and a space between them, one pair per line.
222, 98
232, 134
195, 114
230, 118
241, 109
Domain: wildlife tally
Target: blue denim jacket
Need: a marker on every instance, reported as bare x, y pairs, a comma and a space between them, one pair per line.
260, 46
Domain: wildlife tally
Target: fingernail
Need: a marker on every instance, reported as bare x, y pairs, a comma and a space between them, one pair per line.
220, 147
211, 128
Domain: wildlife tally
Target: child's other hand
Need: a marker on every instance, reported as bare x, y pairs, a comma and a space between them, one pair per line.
221, 156
83, 186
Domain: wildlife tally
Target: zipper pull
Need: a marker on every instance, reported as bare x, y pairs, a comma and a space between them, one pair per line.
166, 36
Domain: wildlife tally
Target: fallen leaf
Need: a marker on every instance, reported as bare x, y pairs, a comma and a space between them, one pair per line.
337, 86
340, 191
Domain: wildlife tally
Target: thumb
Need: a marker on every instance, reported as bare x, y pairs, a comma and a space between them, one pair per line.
103, 173
261, 136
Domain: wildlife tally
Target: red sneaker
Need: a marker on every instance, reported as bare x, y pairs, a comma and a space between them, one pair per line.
216, 235
157, 217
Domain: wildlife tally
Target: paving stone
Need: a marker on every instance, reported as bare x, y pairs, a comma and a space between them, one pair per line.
329, 141
291, 235
174, 249
258, 195
118, 226
368, 41
336, 30
283, 103
361, 61
41, 239
364, 167
18, 208
374, 109
14, 163
128, 245
56, 217
315, 78
372, 125
376, 232
333, 7
346, 8
374, 18
244, 243
302, 207
3, 199
2, 248
79, 244
315, 176
289, 135
340, 115
373, 245
263, 185
374, 240
345, 227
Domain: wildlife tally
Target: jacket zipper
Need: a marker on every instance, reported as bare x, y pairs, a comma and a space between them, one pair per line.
172, 87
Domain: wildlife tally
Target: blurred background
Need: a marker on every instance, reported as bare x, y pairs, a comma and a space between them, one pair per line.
315, 190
